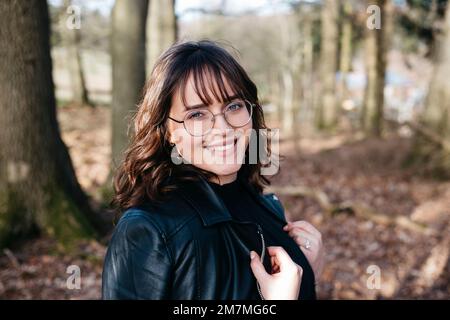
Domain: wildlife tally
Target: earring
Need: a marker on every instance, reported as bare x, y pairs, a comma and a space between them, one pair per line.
175, 155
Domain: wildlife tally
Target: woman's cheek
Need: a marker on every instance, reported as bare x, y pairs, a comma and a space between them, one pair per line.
187, 148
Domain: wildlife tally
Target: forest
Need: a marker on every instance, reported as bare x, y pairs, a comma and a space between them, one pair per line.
358, 89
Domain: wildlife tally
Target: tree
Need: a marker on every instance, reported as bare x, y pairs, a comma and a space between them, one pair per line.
38, 187
290, 65
419, 20
161, 29
327, 112
436, 117
307, 28
72, 40
128, 68
345, 61
377, 43
286, 69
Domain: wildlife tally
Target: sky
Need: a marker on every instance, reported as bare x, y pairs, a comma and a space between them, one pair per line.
181, 6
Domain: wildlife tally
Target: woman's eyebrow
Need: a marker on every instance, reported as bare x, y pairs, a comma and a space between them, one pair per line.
202, 105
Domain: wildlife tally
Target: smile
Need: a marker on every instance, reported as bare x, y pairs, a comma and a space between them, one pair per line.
222, 147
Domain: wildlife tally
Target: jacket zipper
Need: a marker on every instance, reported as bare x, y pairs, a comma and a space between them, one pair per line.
262, 258
263, 251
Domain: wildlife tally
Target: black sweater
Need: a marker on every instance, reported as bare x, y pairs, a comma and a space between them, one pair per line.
244, 207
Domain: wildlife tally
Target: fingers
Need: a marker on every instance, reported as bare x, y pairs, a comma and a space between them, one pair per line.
257, 267
300, 270
304, 241
299, 229
296, 232
304, 238
307, 241
301, 224
281, 257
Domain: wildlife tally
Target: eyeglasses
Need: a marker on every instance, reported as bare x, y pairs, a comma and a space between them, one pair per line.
199, 122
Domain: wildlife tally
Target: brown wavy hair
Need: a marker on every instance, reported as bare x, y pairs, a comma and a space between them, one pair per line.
147, 171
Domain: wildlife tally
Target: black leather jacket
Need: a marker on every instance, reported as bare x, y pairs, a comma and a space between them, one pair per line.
188, 247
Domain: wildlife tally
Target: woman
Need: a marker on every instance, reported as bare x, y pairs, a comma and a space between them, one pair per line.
190, 191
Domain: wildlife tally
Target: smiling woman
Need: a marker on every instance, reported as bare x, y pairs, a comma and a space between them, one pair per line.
180, 236
189, 78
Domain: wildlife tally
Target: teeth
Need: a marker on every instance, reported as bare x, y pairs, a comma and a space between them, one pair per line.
222, 148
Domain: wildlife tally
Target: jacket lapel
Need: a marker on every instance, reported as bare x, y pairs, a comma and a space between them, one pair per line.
210, 207
205, 201
267, 201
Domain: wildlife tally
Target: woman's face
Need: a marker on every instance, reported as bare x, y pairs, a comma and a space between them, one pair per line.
221, 149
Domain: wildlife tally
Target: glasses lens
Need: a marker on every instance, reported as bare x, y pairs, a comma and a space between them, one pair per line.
238, 113
198, 122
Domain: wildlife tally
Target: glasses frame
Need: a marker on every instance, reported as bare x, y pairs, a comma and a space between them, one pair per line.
214, 119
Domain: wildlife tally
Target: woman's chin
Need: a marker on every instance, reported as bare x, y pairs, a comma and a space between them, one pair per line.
225, 169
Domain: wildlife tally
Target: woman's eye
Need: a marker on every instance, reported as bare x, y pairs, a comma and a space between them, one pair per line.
196, 115
234, 107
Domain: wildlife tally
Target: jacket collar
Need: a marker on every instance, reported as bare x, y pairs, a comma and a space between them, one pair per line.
209, 206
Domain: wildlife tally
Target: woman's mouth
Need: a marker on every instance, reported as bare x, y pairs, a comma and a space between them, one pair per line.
222, 148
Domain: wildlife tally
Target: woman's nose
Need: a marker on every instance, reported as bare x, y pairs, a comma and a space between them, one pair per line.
220, 122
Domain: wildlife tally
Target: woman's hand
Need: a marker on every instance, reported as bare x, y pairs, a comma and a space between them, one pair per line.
285, 280
310, 241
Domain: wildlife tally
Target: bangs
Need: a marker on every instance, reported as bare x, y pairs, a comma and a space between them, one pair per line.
209, 80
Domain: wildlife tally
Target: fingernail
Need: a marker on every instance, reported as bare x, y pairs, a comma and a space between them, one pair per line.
252, 254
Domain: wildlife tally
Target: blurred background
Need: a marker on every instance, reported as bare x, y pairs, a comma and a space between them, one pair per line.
358, 89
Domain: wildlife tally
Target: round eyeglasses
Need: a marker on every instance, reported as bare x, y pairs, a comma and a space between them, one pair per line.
199, 122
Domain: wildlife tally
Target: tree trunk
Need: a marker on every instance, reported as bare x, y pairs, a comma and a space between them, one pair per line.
288, 103
79, 91
38, 187
275, 96
72, 43
308, 69
436, 117
345, 60
290, 67
377, 45
161, 29
297, 108
128, 69
327, 112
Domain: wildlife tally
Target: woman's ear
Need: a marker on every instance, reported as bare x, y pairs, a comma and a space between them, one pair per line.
168, 136
172, 140
174, 137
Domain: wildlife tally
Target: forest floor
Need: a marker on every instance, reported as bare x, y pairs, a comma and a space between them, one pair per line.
411, 264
